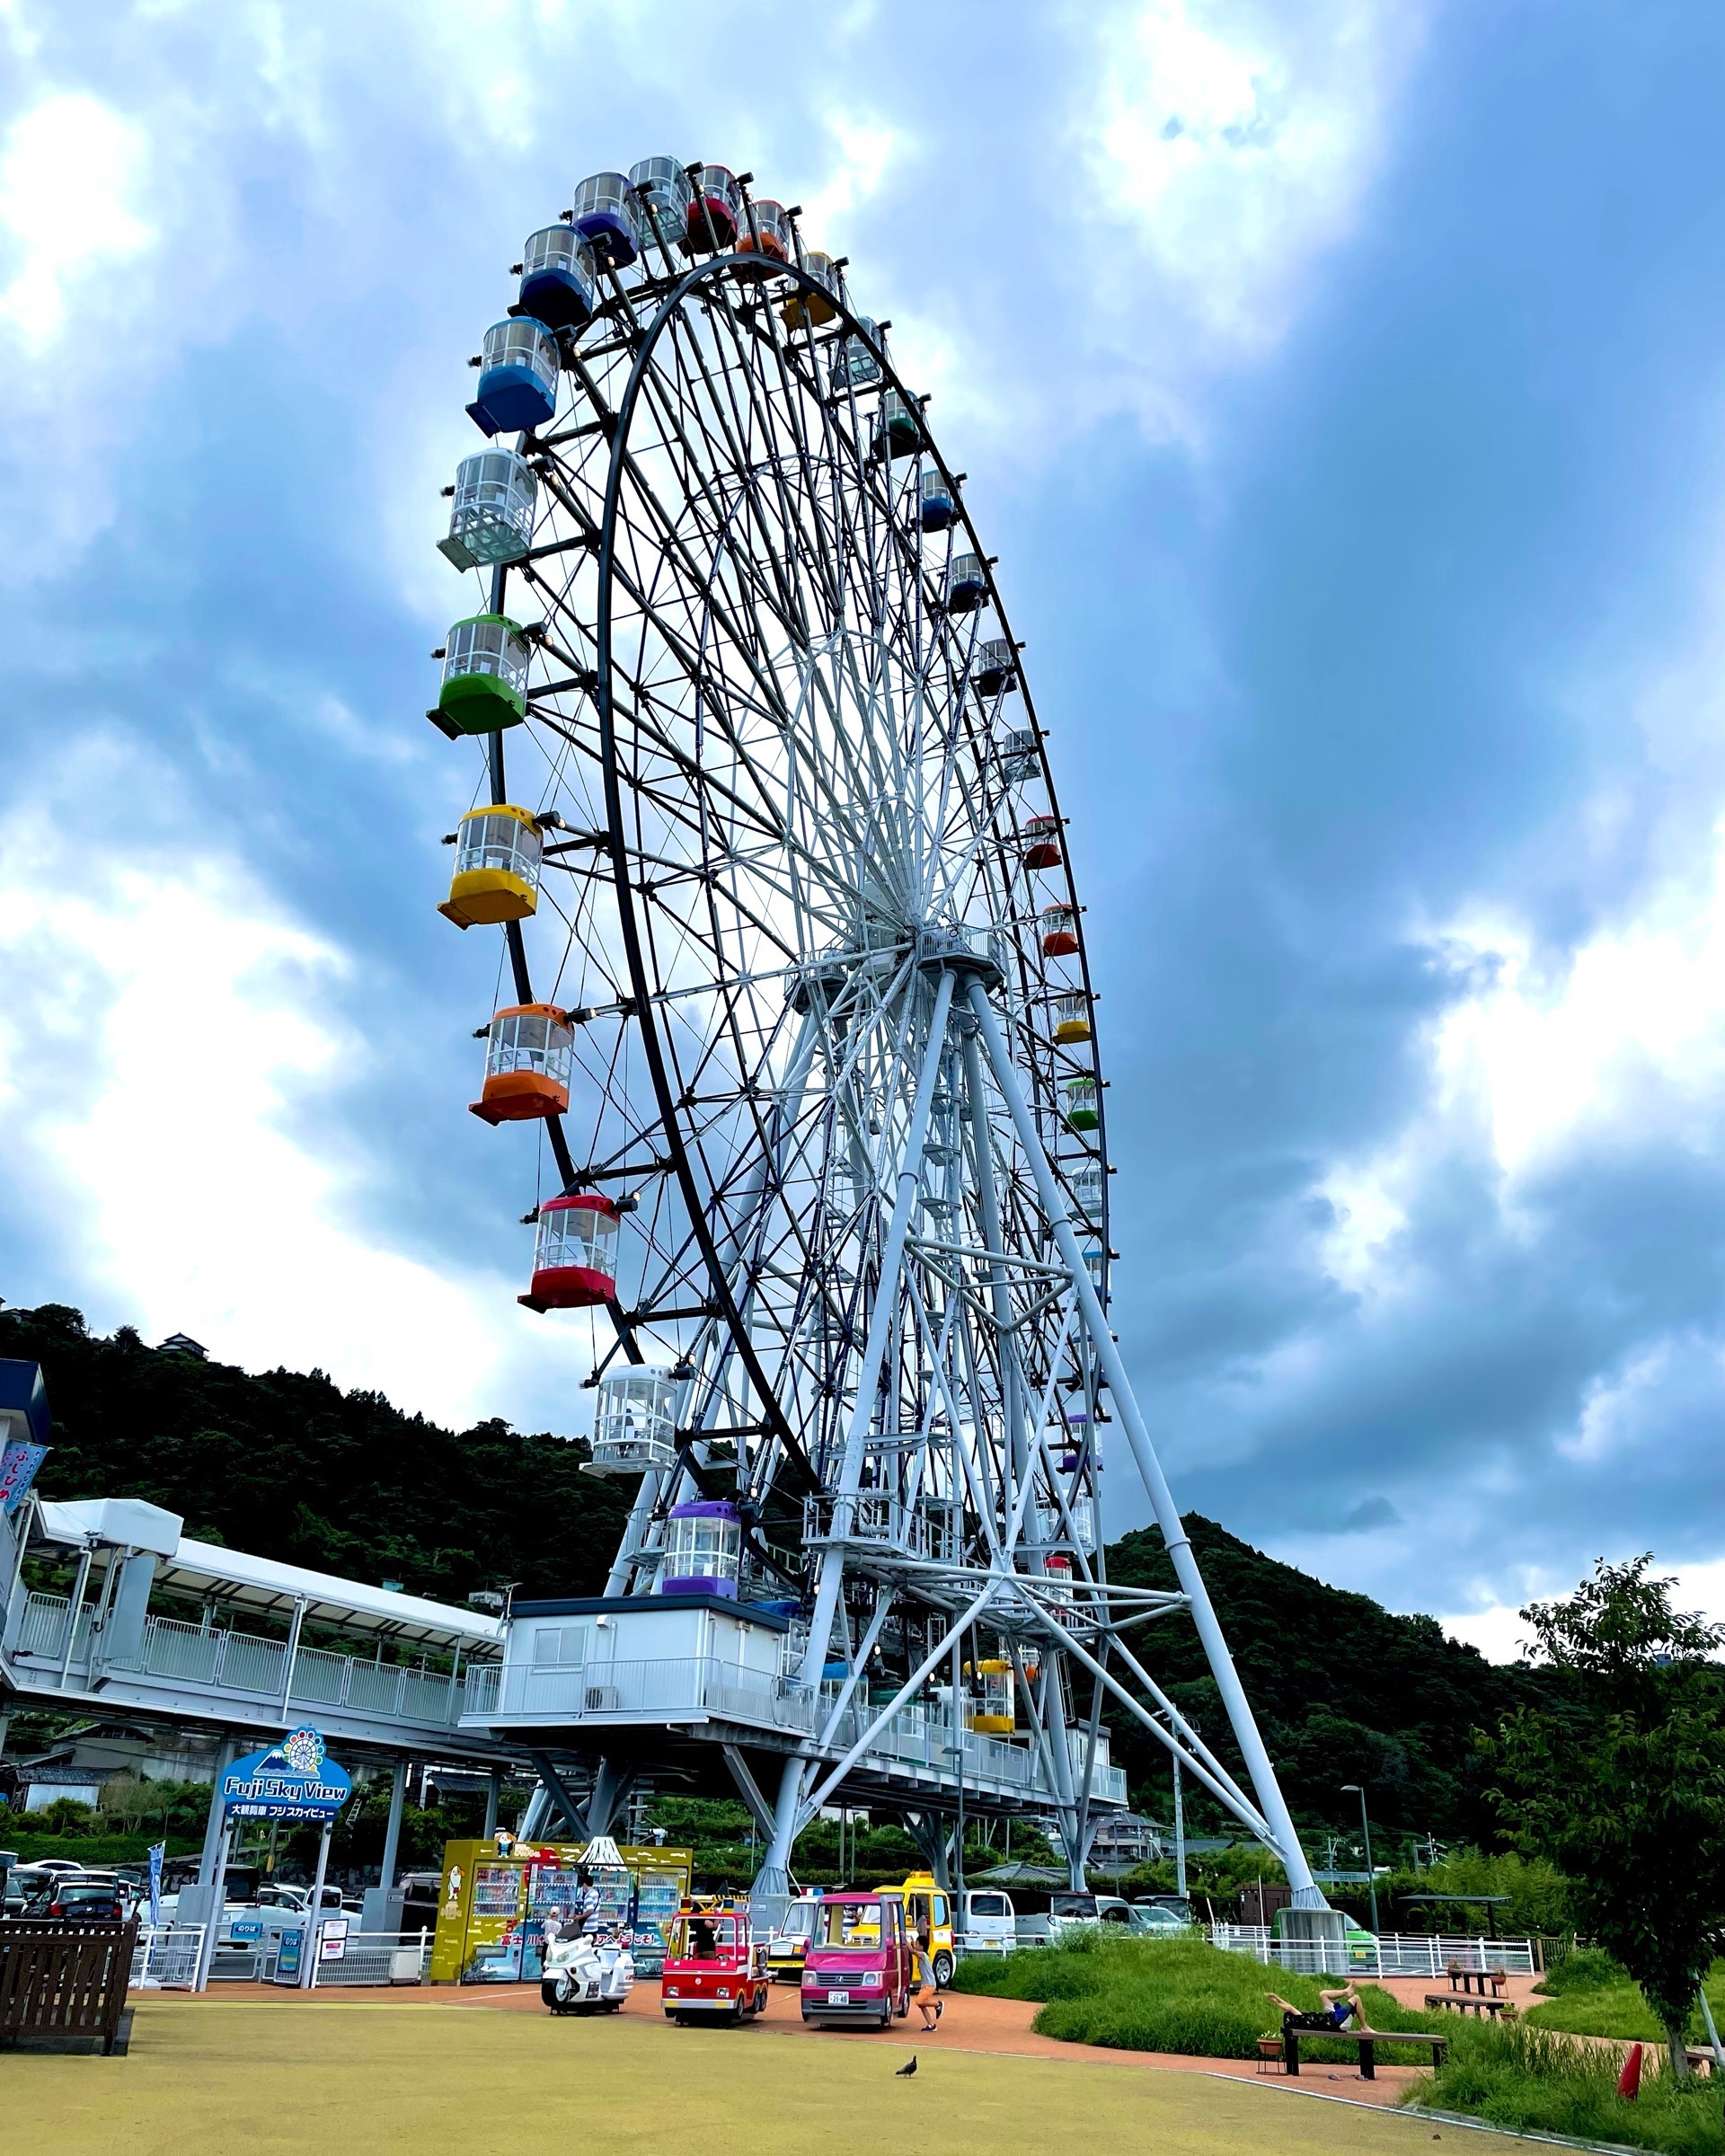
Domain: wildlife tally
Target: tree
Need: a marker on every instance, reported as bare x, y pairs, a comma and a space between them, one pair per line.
1623, 1786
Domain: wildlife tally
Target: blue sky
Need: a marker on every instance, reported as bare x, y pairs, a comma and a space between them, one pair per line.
1340, 386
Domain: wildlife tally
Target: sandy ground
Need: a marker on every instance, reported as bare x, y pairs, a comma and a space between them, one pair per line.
472, 2070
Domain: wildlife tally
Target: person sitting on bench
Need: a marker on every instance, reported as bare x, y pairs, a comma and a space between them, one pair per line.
1339, 2005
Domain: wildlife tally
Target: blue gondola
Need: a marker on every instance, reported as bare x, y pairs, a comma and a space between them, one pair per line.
558, 278
967, 584
608, 218
517, 377
938, 508
996, 666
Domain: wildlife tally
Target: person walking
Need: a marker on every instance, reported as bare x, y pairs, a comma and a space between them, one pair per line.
928, 1999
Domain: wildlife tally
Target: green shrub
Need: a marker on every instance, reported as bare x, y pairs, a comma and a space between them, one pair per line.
96, 1849
1532, 2080
1591, 1995
1587, 1969
1174, 1995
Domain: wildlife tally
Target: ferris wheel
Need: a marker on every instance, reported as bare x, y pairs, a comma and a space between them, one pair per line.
793, 1011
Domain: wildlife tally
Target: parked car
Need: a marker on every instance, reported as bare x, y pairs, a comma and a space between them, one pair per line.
990, 1923
420, 1900
25, 1883
788, 1945
858, 1968
1064, 1909
1159, 1919
81, 1900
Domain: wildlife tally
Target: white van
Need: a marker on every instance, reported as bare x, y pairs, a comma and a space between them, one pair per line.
990, 1923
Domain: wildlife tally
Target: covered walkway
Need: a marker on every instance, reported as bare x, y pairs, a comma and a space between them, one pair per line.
156, 1624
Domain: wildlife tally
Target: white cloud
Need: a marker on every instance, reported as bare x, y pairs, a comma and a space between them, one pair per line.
1501, 1633
173, 1058
68, 176
1224, 148
1542, 1059
1639, 1012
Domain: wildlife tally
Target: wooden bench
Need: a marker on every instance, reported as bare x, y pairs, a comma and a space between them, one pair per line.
1468, 2002
64, 1983
1366, 2041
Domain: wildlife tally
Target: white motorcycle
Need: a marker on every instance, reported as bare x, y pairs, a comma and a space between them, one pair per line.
586, 1974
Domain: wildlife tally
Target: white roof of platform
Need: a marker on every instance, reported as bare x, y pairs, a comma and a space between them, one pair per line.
207, 1570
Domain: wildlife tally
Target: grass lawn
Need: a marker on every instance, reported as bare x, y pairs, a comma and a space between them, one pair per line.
206, 2078
1175, 1994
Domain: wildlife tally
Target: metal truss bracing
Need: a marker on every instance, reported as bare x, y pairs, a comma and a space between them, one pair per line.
833, 1051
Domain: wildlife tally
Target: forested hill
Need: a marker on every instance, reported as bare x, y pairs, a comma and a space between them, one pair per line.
1343, 1690
289, 1466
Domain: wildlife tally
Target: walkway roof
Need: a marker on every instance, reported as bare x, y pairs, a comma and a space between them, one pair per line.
205, 1571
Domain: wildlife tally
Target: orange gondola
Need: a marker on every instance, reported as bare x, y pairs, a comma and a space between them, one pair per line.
1058, 923
530, 1048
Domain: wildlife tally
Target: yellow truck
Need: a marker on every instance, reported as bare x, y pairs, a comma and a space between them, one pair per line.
925, 1903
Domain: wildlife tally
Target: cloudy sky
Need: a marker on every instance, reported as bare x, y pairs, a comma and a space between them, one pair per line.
1340, 382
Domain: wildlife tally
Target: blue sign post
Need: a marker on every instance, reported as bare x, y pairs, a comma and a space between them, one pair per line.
295, 1780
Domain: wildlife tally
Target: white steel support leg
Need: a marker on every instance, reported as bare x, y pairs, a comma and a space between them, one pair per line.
1307, 1893
880, 1317
770, 1889
635, 1535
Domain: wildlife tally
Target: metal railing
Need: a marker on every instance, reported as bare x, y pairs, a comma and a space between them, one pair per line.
374, 1958
41, 1628
222, 1659
677, 1686
1391, 1954
166, 1958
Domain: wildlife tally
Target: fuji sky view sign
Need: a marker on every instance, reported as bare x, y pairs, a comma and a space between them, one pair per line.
294, 1779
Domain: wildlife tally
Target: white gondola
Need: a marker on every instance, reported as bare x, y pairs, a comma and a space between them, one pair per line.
664, 197
634, 1425
491, 512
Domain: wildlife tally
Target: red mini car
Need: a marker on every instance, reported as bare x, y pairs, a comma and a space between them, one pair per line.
858, 1970
713, 1970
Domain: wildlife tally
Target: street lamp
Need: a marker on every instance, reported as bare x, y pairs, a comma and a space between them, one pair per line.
1352, 1788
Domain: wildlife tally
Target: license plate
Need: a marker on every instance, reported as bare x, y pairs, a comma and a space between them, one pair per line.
838, 1998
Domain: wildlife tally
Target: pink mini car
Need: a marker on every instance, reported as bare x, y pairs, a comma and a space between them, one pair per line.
858, 1970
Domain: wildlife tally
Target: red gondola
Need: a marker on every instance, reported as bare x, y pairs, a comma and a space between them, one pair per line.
574, 1258
1043, 850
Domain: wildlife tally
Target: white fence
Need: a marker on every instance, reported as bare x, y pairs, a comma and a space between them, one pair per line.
166, 1958
1392, 1953
354, 1958
374, 1958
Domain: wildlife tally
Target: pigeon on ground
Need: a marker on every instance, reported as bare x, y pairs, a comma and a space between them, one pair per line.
903, 2073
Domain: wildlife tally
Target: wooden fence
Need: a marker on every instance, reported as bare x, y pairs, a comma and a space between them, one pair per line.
63, 1979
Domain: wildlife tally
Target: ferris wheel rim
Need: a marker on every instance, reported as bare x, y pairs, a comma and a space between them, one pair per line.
643, 983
